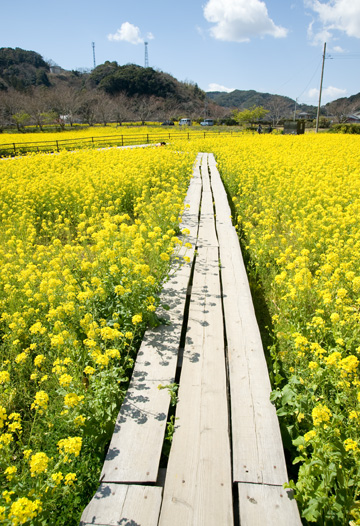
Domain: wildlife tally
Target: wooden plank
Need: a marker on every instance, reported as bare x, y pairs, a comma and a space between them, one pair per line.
198, 487
206, 273
115, 504
258, 454
207, 232
262, 505
223, 210
135, 448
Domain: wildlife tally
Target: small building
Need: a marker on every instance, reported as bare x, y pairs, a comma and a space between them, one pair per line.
305, 115
294, 127
57, 70
354, 117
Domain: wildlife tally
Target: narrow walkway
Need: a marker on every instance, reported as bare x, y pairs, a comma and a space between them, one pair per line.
226, 465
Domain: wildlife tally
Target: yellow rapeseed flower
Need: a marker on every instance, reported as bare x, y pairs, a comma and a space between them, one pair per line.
38, 463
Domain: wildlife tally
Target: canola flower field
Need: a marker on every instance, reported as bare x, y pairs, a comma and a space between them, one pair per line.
77, 132
86, 240
297, 206
98, 137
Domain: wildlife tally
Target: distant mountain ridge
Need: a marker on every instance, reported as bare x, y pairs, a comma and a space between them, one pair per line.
243, 99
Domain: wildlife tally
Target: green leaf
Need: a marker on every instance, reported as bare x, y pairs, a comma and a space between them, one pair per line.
299, 459
313, 512
274, 395
299, 441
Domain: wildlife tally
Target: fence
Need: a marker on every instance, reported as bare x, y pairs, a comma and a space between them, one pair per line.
12, 149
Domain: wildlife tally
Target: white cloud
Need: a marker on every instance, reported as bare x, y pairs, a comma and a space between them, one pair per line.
318, 37
335, 15
328, 94
338, 49
218, 87
127, 33
240, 20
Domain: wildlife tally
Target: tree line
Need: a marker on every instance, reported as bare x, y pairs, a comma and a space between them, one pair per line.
65, 105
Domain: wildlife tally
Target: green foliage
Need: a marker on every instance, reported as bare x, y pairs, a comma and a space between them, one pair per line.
21, 119
21, 69
132, 79
345, 128
136, 80
250, 115
173, 389
10, 57
323, 122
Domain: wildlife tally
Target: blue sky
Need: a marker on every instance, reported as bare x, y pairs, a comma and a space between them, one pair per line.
272, 46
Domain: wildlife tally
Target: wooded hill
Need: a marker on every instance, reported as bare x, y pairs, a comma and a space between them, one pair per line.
342, 108
22, 70
243, 99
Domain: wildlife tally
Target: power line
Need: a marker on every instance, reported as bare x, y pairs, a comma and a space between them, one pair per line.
308, 84
343, 56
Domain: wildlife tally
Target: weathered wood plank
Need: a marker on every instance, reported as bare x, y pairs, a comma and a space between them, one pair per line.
141, 422
115, 504
262, 505
135, 449
223, 210
206, 273
207, 232
198, 487
258, 455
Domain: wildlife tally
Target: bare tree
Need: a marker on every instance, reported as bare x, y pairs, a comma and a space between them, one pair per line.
121, 106
146, 108
87, 109
4, 115
39, 107
65, 101
339, 109
193, 109
169, 108
12, 102
104, 108
278, 109
216, 112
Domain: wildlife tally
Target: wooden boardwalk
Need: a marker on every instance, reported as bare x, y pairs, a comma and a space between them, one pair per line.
226, 465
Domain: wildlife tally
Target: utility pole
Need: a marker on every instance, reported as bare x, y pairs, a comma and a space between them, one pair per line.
295, 109
93, 47
146, 55
321, 83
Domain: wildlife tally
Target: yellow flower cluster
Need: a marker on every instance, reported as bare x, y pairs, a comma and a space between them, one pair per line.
83, 238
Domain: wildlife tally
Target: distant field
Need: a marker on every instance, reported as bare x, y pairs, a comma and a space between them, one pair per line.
100, 136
